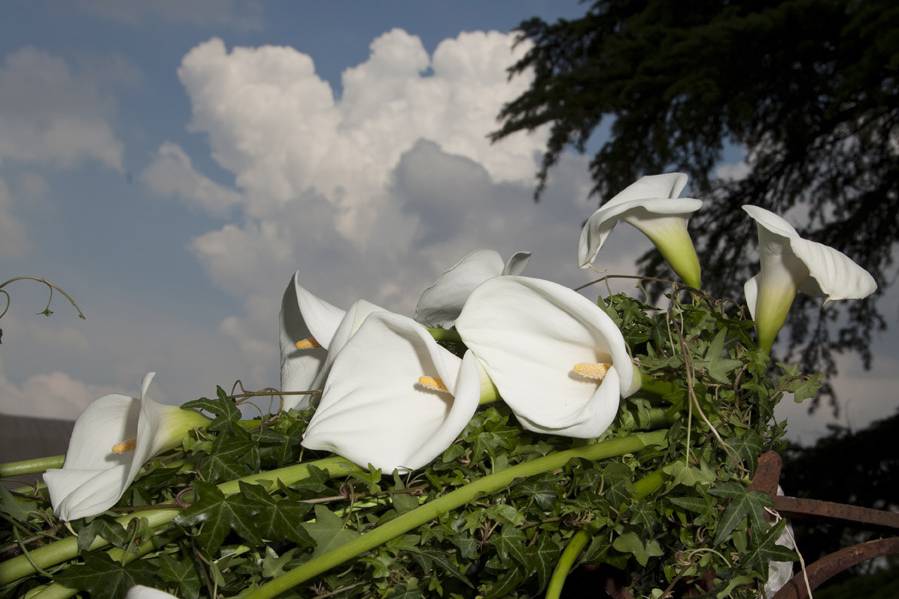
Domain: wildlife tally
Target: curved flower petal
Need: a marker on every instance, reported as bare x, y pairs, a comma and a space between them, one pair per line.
789, 264
142, 592
529, 334
441, 302
516, 264
94, 476
651, 205
352, 320
373, 411
302, 316
779, 573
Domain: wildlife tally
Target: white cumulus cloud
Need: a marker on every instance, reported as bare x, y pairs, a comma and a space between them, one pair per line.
51, 114
373, 191
172, 174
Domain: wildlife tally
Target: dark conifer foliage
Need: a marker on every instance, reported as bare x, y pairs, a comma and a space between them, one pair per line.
808, 87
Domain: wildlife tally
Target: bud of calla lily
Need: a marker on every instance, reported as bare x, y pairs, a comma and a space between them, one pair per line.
394, 398
441, 303
111, 441
652, 205
142, 592
556, 358
789, 264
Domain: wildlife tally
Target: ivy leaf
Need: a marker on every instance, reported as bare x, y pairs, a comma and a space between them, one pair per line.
181, 573
743, 503
328, 531
273, 519
14, 507
103, 578
507, 583
617, 486
691, 504
217, 515
766, 550
543, 560
630, 542
689, 476
510, 543
225, 413
104, 527
442, 561
233, 455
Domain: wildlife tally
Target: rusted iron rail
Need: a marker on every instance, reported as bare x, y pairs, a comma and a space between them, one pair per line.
766, 479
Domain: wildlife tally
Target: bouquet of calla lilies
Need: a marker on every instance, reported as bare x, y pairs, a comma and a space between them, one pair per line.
511, 431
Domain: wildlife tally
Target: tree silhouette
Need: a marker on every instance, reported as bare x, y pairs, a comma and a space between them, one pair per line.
808, 88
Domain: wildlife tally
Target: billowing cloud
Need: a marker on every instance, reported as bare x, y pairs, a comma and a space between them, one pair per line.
13, 239
172, 174
54, 395
240, 15
50, 114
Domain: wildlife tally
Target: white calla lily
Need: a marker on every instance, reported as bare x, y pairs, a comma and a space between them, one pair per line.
307, 325
375, 411
556, 358
142, 592
441, 303
789, 264
651, 204
111, 441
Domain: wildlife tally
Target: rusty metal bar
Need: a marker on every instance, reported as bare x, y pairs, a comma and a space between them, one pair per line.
795, 507
767, 473
834, 563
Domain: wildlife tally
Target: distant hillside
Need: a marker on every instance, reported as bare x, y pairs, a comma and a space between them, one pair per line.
22, 438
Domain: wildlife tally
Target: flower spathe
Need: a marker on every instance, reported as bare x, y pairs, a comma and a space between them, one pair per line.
789, 264
651, 204
556, 358
373, 409
441, 303
141, 592
111, 441
304, 319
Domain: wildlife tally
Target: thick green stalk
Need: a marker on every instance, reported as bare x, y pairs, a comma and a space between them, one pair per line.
647, 485
66, 549
461, 496
33, 466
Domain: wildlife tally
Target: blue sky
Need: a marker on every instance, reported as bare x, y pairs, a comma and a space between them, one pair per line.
171, 164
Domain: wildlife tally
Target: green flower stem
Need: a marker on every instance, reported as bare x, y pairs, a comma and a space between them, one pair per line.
32, 466
61, 591
66, 549
647, 485
442, 505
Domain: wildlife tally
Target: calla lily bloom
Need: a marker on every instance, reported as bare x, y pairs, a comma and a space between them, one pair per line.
142, 592
307, 325
441, 303
394, 398
556, 358
789, 264
111, 441
652, 205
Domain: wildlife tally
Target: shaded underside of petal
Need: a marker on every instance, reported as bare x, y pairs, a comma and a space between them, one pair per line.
529, 334
441, 302
836, 276
751, 292
666, 185
599, 412
105, 422
142, 592
82, 493
597, 228
770, 221
372, 409
299, 367
352, 321
516, 264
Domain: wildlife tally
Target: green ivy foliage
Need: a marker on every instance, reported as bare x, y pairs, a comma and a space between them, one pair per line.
701, 528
